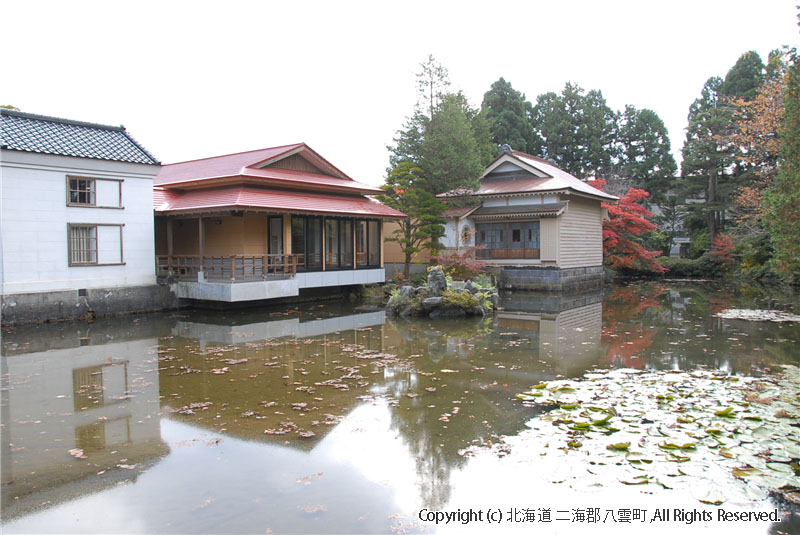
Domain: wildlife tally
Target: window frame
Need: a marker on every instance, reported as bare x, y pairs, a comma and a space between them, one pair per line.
95, 226
93, 181
342, 239
367, 240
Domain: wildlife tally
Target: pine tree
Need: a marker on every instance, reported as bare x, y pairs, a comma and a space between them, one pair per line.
405, 190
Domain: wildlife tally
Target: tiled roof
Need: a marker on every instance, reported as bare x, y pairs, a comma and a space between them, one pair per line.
51, 135
249, 197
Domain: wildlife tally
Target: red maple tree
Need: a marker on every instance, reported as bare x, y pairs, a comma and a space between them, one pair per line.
627, 220
722, 250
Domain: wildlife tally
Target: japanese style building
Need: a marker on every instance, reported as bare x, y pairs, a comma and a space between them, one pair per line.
537, 226
76, 222
265, 224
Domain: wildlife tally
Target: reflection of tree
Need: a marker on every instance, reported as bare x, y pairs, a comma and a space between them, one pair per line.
678, 329
464, 380
627, 305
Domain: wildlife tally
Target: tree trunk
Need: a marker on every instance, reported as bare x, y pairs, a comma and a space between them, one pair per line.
711, 202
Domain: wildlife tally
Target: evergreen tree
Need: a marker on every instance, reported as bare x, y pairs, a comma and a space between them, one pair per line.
405, 190
449, 153
744, 77
445, 137
644, 151
783, 199
710, 163
509, 114
575, 129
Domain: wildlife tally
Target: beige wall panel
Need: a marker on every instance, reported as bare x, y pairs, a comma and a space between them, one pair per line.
160, 229
548, 251
185, 239
254, 233
225, 238
392, 251
581, 234
287, 234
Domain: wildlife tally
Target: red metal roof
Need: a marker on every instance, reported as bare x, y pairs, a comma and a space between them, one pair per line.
301, 178
555, 180
246, 168
217, 166
250, 197
457, 212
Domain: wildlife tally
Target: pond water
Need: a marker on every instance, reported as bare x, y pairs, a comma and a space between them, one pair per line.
329, 418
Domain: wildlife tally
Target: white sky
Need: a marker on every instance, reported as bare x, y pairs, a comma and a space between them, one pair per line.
197, 79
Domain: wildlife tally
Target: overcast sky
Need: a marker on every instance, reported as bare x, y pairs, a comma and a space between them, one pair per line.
197, 79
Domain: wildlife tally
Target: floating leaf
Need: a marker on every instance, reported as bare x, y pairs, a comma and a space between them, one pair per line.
781, 467
725, 413
619, 446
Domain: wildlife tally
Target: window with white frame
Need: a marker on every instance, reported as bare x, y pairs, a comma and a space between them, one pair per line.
95, 244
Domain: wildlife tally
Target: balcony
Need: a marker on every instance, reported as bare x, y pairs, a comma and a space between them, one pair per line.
227, 268
239, 277
507, 254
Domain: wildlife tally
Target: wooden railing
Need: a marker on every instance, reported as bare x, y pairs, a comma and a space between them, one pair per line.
507, 254
229, 267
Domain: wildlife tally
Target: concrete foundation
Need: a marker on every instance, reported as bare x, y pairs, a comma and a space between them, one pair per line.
77, 304
548, 279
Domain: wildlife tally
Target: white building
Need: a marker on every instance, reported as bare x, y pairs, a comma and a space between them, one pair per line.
77, 219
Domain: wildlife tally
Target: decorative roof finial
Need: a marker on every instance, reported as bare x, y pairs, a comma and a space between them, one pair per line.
505, 147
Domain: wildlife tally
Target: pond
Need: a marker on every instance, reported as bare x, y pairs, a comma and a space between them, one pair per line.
329, 418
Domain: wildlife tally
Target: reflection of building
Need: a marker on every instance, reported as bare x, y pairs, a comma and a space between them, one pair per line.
70, 413
278, 380
206, 332
568, 329
77, 223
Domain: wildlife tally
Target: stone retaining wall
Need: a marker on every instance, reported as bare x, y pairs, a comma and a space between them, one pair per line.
548, 279
76, 304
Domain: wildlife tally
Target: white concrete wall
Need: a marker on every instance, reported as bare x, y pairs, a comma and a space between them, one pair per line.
34, 216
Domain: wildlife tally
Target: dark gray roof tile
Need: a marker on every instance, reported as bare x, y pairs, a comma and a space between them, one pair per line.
52, 135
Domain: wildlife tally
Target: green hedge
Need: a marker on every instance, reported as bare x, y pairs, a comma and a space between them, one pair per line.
695, 268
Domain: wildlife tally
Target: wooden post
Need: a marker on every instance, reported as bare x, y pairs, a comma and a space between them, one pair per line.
202, 244
169, 239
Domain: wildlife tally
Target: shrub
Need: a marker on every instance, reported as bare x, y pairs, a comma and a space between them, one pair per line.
461, 265
461, 300
692, 268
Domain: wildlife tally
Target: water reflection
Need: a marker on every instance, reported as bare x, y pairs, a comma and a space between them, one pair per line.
344, 419
88, 392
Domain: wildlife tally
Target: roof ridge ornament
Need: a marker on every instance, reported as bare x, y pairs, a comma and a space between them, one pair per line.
505, 147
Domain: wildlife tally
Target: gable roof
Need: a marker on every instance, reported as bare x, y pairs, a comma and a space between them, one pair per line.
52, 135
261, 167
241, 197
536, 175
